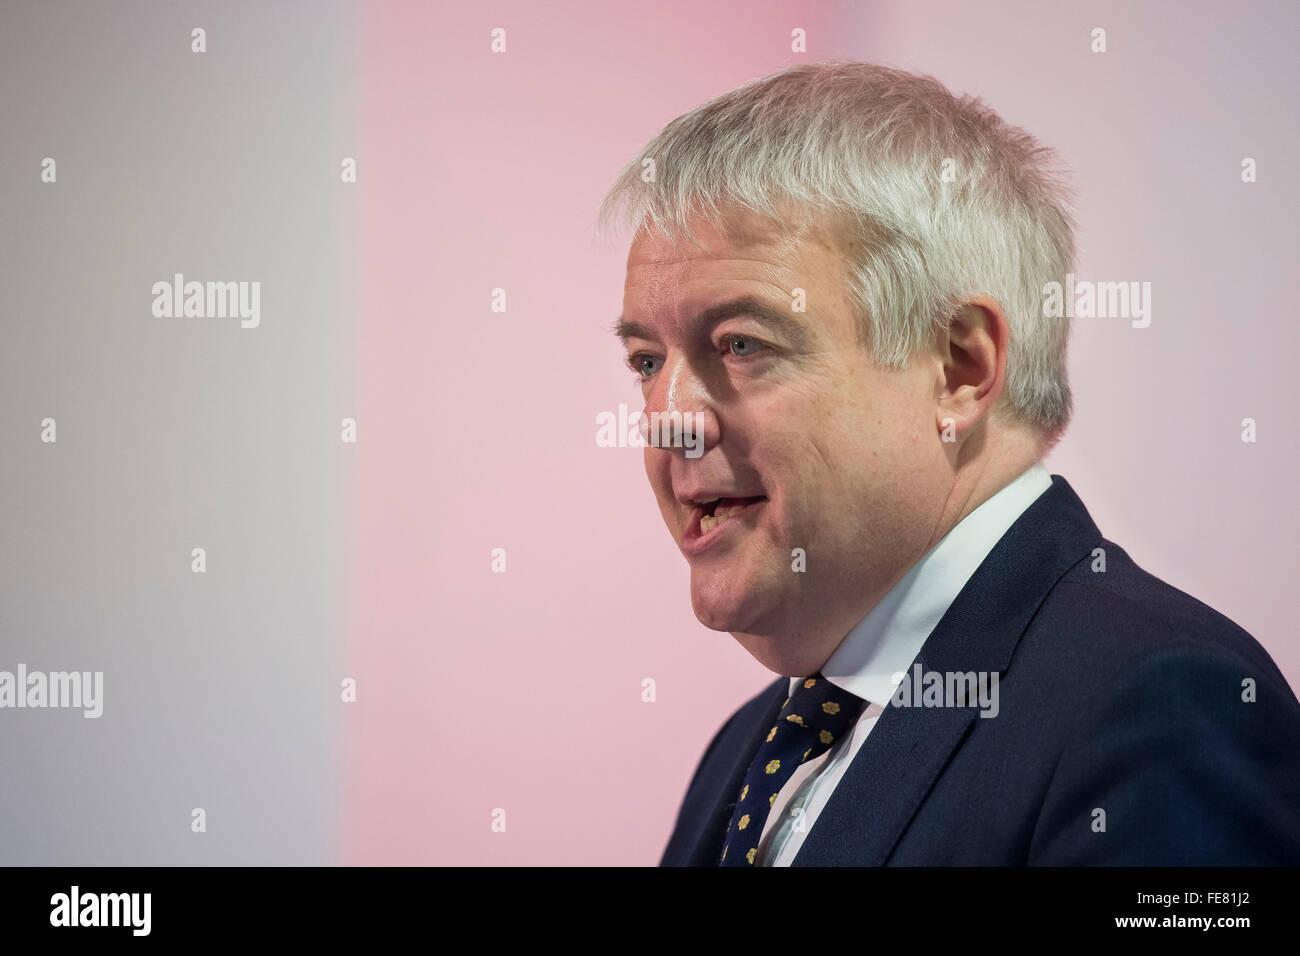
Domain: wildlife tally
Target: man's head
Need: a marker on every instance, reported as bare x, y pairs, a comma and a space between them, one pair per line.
836, 271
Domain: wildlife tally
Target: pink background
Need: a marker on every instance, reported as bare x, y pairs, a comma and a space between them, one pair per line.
522, 690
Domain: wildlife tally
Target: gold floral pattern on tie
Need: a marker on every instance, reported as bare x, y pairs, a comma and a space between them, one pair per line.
817, 714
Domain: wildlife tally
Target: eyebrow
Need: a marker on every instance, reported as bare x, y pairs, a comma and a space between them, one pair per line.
746, 305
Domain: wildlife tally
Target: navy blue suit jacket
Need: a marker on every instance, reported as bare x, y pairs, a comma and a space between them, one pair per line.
1117, 692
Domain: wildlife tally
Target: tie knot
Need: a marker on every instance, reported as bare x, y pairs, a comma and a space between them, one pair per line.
819, 705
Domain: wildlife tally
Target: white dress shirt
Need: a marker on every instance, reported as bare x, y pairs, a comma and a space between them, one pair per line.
886, 643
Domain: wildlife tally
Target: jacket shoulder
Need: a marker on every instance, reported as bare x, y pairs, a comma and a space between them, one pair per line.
1126, 613
1183, 742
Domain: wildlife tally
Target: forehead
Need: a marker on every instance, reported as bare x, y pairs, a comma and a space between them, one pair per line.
747, 266
669, 277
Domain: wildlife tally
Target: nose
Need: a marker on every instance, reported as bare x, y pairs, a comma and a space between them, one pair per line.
679, 416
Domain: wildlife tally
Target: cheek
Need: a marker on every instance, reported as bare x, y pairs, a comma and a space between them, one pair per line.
826, 449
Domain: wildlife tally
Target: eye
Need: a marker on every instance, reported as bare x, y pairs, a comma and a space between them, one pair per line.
742, 345
643, 364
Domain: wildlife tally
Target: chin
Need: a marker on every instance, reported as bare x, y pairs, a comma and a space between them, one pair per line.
728, 601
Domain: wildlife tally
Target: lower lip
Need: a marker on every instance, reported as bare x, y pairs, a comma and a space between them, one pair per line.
695, 542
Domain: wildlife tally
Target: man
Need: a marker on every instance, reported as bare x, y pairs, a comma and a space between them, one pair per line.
837, 281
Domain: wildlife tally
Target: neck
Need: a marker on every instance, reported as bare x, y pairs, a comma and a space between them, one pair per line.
981, 468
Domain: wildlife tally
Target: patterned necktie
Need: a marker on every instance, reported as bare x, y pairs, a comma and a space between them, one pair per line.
809, 722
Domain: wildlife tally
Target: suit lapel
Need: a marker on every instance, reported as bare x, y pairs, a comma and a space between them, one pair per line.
712, 799
908, 748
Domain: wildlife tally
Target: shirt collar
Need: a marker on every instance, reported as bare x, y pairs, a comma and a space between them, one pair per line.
888, 639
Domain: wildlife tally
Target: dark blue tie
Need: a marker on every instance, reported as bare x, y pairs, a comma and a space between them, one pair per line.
816, 716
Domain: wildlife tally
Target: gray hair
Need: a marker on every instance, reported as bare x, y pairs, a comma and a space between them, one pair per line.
869, 146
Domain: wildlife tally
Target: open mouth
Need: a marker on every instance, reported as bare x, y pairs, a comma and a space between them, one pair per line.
709, 516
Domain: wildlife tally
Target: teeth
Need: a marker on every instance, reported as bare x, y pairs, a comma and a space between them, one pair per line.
720, 514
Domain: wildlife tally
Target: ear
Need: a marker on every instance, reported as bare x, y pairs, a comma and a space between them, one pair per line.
973, 358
